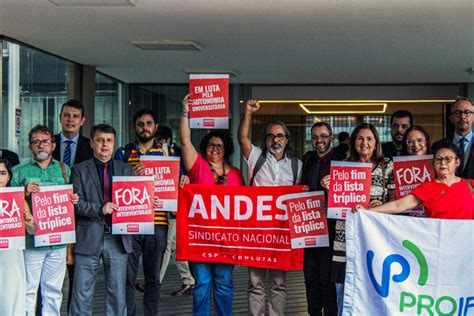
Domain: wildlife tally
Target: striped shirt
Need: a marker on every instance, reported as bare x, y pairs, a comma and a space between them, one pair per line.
131, 153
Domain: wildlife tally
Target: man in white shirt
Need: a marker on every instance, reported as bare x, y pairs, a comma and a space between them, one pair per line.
272, 165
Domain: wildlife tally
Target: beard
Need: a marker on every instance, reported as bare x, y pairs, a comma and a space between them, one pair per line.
275, 149
42, 156
145, 139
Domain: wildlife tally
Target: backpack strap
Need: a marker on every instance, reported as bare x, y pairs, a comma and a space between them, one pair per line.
63, 170
258, 165
294, 168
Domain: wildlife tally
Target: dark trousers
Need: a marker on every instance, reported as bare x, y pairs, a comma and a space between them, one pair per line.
153, 248
70, 273
320, 291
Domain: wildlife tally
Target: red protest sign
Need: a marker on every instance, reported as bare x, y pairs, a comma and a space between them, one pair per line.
12, 226
349, 186
308, 223
165, 171
134, 198
236, 225
53, 213
210, 101
410, 172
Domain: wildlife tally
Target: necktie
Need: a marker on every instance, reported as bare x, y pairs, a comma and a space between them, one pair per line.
462, 148
313, 182
67, 159
106, 194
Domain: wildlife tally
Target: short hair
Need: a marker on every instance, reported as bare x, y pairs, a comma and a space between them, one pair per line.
9, 168
74, 104
342, 136
40, 129
421, 130
164, 132
142, 112
102, 128
226, 138
323, 124
446, 145
402, 114
459, 99
288, 147
354, 155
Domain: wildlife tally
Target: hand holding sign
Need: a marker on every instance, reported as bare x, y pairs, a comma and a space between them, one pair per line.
186, 102
109, 208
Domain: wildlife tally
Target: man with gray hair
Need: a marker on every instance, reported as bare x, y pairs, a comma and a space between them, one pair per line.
272, 165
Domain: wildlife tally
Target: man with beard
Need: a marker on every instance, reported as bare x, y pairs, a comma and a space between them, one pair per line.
151, 246
320, 291
271, 165
45, 266
400, 121
462, 118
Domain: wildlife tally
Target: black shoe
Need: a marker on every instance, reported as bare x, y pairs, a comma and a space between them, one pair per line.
185, 289
140, 287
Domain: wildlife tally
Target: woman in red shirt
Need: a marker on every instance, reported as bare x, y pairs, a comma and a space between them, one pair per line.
448, 196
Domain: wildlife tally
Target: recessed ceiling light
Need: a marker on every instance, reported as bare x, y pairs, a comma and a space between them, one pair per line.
230, 72
166, 45
94, 3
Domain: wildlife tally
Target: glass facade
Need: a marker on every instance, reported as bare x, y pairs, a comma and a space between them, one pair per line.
34, 86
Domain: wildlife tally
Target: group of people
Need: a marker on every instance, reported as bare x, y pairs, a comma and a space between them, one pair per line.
89, 164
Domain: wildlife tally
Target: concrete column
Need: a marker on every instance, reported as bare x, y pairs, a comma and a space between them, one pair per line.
88, 97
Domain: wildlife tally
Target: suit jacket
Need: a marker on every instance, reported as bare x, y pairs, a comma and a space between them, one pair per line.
83, 149
468, 172
89, 215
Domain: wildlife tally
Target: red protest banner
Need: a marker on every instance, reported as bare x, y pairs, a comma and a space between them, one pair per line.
134, 198
210, 101
236, 225
165, 171
12, 226
410, 172
308, 223
53, 213
349, 186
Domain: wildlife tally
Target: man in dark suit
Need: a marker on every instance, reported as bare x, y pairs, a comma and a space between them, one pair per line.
92, 180
462, 117
71, 148
400, 121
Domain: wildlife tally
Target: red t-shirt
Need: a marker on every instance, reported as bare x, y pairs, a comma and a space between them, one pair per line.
200, 173
442, 201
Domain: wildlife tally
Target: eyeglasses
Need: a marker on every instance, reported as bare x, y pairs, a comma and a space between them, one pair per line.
322, 136
272, 137
216, 146
411, 142
37, 142
460, 113
446, 159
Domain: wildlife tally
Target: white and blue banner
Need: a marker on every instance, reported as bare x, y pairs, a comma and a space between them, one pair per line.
401, 265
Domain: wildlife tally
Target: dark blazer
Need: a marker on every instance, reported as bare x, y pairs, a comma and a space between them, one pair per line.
89, 216
468, 171
83, 149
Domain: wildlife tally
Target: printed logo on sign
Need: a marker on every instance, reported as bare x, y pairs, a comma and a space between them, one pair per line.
133, 228
344, 214
310, 242
413, 303
208, 122
54, 239
4, 243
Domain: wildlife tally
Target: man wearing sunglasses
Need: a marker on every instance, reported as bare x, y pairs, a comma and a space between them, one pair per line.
462, 117
271, 165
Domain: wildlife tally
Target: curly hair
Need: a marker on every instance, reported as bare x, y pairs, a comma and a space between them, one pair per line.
226, 138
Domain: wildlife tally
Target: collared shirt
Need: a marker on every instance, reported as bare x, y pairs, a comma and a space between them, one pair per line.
161, 218
31, 172
467, 147
63, 144
99, 165
273, 172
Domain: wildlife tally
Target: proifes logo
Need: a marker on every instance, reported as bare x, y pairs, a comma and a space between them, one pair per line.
54, 239
415, 303
4, 243
133, 228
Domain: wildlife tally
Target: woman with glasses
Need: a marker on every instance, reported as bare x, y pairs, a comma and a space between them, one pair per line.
448, 196
416, 141
12, 264
211, 166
